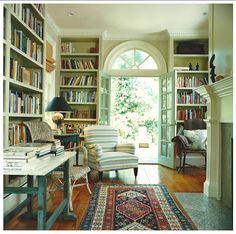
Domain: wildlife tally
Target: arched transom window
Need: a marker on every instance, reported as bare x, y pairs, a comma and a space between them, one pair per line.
134, 59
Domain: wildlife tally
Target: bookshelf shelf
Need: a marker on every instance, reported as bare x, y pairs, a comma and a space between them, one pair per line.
191, 56
191, 105
79, 72
82, 103
192, 72
77, 87
79, 54
26, 58
80, 120
23, 87
40, 14
24, 115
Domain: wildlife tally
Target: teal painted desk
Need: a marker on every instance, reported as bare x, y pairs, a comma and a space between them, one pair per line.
42, 169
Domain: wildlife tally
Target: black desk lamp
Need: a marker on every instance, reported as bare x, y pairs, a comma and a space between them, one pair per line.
58, 105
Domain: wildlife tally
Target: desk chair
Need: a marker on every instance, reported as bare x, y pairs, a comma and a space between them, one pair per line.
42, 131
193, 141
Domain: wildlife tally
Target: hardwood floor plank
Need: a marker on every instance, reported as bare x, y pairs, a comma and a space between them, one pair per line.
190, 181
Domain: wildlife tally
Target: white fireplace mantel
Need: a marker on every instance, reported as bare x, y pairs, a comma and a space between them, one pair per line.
214, 93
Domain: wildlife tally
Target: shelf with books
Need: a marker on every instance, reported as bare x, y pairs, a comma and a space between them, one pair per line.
190, 62
79, 77
25, 61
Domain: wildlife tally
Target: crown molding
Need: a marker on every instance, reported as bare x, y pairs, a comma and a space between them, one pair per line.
187, 34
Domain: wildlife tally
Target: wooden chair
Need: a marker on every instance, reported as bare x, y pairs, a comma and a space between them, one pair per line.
184, 145
42, 131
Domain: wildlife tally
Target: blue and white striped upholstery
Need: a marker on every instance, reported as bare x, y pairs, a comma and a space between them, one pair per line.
104, 152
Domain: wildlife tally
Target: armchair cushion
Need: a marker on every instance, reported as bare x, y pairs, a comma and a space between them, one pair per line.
125, 147
117, 160
198, 138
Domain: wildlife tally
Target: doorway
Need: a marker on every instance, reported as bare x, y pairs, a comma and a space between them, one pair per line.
134, 112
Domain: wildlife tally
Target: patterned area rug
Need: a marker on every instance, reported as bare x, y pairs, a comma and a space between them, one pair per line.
134, 207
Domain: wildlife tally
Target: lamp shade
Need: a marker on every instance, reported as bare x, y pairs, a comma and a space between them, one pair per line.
58, 104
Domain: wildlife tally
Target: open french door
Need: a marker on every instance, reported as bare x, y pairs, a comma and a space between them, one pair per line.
167, 119
104, 99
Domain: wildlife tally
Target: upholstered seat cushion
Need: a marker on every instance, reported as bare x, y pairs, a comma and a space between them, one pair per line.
117, 160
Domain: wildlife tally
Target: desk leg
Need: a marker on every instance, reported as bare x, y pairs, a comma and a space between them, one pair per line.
41, 222
67, 194
30, 206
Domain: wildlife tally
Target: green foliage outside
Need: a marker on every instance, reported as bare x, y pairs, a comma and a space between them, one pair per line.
134, 105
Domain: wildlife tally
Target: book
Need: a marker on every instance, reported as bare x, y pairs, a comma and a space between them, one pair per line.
12, 151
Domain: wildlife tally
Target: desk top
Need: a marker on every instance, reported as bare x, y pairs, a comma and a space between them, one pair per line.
42, 167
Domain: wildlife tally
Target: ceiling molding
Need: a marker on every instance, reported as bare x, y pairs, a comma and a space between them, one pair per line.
194, 34
159, 36
81, 32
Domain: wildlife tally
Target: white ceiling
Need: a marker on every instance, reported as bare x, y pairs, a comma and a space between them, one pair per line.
138, 18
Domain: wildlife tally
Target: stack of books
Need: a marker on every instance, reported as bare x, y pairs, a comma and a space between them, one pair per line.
41, 149
18, 159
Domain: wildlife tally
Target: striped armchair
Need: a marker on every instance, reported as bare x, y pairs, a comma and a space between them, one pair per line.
104, 152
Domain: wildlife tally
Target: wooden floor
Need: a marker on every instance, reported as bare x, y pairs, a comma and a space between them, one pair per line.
190, 181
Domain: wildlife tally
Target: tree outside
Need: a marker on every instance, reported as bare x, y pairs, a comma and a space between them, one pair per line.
135, 104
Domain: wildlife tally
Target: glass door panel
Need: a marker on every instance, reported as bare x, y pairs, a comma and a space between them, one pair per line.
167, 123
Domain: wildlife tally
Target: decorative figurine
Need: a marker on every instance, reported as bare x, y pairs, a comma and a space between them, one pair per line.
190, 67
197, 67
212, 72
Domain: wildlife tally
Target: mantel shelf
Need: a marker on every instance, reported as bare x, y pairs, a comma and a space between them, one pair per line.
219, 89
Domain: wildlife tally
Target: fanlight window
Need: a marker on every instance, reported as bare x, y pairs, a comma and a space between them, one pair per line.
134, 59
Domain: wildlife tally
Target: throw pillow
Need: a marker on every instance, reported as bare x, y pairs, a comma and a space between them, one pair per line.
198, 138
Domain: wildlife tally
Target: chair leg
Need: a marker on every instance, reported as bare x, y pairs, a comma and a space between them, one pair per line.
100, 174
135, 171
71, 186
184, 160
180, 162
87, 184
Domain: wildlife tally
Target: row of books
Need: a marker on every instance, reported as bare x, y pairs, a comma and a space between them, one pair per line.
192, 114
79, 96
78, 64
18, 133
20, 102
30, 19
81, 114
28, 76
85, 80
190, 98
28, 156
26, 45
191, 81
66, 47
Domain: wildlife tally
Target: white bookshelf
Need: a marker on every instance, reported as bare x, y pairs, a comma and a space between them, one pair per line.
76, 55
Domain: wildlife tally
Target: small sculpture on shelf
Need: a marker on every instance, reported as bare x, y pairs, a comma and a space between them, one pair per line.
190, 67
197, 67
212, 67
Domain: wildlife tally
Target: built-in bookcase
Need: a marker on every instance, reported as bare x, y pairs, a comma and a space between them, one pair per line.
190, 62
79, 79
23, 71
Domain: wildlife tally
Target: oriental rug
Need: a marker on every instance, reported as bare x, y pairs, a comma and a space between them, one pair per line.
134, 207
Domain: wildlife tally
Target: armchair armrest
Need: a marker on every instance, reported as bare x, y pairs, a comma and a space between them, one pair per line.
126, 148
94, 150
